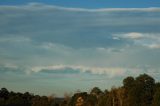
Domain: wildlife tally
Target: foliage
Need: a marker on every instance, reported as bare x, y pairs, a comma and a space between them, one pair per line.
156, 97
139, 91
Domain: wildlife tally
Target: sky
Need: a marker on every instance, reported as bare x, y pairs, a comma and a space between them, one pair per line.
58, 46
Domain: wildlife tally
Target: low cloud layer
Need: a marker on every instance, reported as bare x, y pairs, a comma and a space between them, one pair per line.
93, 70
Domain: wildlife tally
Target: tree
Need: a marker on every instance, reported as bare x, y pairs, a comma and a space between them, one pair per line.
128, 85
77, 98
112, 97
41, 101
156, 98
67, 97
16, 101
91, 100
2, 102
96, 91
4, 93
145, 87
102, 101
139, 91
128, 82
120, 96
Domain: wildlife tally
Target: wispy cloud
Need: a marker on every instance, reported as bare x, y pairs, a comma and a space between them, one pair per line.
109, 71
15, 39
132, 35
35, 6
94, 40
150, 40
56, 46
96, 70
153, 46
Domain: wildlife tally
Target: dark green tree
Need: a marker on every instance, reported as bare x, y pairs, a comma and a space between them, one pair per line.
156, 98
76, 96
96, 91
102, 101
128, 82
145, 89
4, 93
128, 85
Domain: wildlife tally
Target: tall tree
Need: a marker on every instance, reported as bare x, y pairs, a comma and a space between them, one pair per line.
96, 91
145, 87
156, 97
128, 85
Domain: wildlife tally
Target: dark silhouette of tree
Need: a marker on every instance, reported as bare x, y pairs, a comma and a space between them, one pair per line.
78, 99
96, 91
128, 85
102, 101
156, 97
4, 93
144, 87
128, 82
139, 91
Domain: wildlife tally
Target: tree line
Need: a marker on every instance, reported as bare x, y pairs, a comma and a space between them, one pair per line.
139, 91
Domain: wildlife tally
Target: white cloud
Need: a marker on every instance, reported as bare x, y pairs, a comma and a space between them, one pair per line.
62, 35
131, 35
53, 46
116, 38
40, 6
12, 66
154, 46
106, 43
153, 9
109, 71
150, 40
14, 39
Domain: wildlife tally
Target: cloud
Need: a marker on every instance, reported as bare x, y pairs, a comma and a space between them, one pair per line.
109, 71
75, 70
133, 35
138, 35
72, 26
61, 47
41, 35
37, 6
10, 68
54, 46
154, 46
149, 40
15, 39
